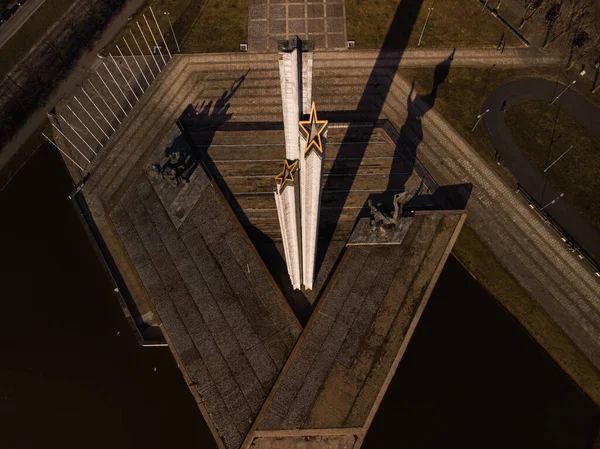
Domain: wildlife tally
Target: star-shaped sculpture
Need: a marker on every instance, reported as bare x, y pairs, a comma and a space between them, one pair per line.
287, 174
312, 130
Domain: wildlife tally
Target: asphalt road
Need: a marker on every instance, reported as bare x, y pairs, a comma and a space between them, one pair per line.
532, 179
15, 22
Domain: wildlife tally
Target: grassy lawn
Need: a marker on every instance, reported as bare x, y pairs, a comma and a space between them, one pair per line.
456, 23
461, 95
459, 101
576, 174
222, 26
31, 32
478, 258
200, 25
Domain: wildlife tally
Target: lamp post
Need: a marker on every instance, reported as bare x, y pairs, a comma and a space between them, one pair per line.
172, 31
565, 89
553, 201
548, 167
424, 26
595, 85
479, 117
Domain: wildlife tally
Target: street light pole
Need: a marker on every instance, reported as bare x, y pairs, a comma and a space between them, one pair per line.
424, 26
553, 201
566, 88
548, 167
479, 119
155, 42
172, 31
160, 32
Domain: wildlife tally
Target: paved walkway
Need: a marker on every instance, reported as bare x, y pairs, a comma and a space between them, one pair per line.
321, 21
230, 327
522, 242
347, 355
413, 58
532, 179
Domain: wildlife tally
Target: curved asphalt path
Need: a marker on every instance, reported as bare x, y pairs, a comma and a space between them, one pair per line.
532, 179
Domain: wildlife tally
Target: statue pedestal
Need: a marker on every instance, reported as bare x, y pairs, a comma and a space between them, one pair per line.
364, 234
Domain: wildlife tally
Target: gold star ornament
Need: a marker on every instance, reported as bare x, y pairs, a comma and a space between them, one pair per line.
287, 174
313, 130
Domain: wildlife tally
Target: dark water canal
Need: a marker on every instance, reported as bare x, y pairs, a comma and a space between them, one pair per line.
72, 375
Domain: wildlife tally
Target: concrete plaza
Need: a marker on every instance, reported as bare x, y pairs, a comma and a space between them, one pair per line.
321, 21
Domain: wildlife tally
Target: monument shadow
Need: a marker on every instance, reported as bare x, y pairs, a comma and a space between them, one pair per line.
406, 140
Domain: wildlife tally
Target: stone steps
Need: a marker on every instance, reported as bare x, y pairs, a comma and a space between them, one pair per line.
329, 198
338, 232
163, 101
332, 166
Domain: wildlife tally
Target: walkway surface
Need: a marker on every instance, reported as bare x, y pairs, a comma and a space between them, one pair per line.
236, 89
228, 325
321, 21
336, 376
13, 24
530, 177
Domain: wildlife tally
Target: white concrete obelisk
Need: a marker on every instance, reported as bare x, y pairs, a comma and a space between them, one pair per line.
313, 136
298, 193
287, 194
295, 75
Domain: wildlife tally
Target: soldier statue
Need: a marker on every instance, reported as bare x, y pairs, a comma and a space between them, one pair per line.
380, 221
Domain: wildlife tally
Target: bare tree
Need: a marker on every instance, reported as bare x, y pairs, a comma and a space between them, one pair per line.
595, 85
57, 49
532, 7
33, 68
94, 9
568, 19
551, 19
584, 43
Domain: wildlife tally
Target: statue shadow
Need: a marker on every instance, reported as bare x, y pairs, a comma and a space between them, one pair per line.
179, 163
199, 124
451, 197
411, 133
